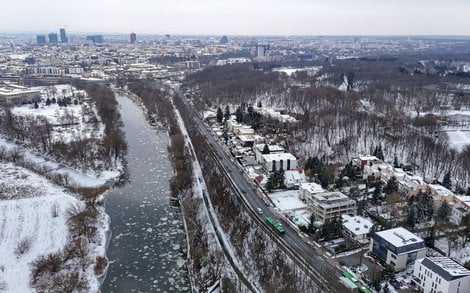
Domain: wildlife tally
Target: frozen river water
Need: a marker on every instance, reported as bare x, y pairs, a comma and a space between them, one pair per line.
147, 242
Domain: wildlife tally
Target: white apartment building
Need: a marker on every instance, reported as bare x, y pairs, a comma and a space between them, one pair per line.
275, 162
273, 149
327, 206
441, 275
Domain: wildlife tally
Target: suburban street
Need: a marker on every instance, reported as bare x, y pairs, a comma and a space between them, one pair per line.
325, 273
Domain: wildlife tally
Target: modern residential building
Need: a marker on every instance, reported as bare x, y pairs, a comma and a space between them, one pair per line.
441, 275
40, 39
356, 228
275, 162
133, 38
308, 190
293, 178
397, 247
273, 149
15, 94
458, 213
63, 36
327, 206
53, 39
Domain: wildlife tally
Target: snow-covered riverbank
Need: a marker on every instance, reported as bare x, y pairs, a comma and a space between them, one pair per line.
34, 222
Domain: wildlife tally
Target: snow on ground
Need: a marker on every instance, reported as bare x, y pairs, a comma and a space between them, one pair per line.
29, 218
69, 123
287, 201
290, 70
459, 139
81, 179
460, 255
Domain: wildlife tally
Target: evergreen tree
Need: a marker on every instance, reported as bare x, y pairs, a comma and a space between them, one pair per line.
266, 150
377, 195
48, 102
220, 115
424, 205
431, 238
411, 218
239, 115
271, 184
325, 177
227, 112
279, 178
36, 106
443, 212
380, 154
392, 186
395, 162
311, 225
331, 229
339, 183
447, 182
259, 104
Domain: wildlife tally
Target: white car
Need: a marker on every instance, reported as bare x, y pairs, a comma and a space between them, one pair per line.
260, 211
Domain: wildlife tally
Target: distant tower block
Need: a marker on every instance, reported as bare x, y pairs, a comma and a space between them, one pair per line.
63, 36
53, 39
133, 38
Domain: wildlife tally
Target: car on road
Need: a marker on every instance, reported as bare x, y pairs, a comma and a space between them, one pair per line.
260, 211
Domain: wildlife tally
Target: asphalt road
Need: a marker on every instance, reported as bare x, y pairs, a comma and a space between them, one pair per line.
325, 273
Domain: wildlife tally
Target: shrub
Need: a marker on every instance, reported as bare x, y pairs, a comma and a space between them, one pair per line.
23, 246
100, 265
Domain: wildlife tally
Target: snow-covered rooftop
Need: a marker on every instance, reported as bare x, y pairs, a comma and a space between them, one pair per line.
279, 156
445, 267
272, 148
399, 237
357, 225
312, 187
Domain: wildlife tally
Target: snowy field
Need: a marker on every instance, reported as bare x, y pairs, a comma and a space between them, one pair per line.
290, 70
459, 139
30, 208
287, 201
69, 123
79, 178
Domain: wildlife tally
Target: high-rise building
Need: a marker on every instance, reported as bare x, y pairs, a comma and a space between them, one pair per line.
262, 51
133, 38
95, 39
224, 40
53, 39
41, 39
63, 36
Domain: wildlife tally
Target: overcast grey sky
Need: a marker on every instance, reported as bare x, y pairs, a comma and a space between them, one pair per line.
248, 17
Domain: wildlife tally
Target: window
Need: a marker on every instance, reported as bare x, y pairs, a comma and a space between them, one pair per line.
288, 164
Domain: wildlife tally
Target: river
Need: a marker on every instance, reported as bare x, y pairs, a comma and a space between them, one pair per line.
147, 244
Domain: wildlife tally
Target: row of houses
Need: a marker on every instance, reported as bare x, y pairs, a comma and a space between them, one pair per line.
411, 184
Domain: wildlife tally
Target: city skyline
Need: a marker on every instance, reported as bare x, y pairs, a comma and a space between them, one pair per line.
260, 17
